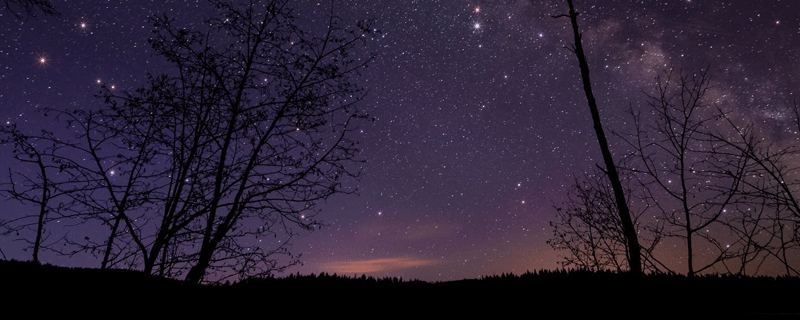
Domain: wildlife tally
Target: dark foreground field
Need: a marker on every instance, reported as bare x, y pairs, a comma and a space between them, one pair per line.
42, 290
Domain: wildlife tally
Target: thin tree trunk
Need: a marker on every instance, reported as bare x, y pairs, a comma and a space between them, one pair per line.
109, 243
42, 209
687, 214
634, 254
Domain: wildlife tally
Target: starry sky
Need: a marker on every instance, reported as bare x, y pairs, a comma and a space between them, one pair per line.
481, 122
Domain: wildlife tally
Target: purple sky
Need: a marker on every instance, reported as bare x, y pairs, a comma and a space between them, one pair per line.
481, 120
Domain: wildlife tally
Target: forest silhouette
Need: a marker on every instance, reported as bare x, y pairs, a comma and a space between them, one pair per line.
52, 290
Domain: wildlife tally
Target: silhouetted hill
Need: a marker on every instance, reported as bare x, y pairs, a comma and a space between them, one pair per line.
49, 290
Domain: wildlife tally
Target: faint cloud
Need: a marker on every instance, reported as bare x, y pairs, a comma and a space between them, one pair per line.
375, 265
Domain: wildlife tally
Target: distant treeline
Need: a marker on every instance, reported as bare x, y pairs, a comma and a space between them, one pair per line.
44, 289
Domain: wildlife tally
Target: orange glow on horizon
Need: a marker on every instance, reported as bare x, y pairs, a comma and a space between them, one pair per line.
375, 265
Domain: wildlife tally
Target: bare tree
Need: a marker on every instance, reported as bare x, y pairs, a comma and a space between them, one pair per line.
634, 249
694, 175
108, 164
259, 118
38, 189
197, 172
588, 227
697, 176
769, 225
96, 176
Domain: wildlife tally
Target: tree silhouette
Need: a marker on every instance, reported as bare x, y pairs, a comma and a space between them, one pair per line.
262, 121
109, 179
38, 189
197, 171
692, 174
769, 224
698, 177
634, 249
250, 131
589, 229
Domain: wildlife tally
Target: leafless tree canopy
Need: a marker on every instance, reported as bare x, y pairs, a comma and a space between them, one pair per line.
206, 171
700, 178
587, 226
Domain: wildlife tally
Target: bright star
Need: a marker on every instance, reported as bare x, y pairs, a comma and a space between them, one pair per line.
42, 60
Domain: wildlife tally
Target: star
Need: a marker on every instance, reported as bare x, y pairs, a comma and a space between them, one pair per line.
42, 60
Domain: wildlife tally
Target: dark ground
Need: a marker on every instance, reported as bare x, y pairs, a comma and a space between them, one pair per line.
44, 290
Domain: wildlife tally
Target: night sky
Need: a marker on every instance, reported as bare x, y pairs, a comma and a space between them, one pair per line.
481, 121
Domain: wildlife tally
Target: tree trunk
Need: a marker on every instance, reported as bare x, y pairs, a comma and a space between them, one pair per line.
197, 271
634, 254
110, 243
42, 209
